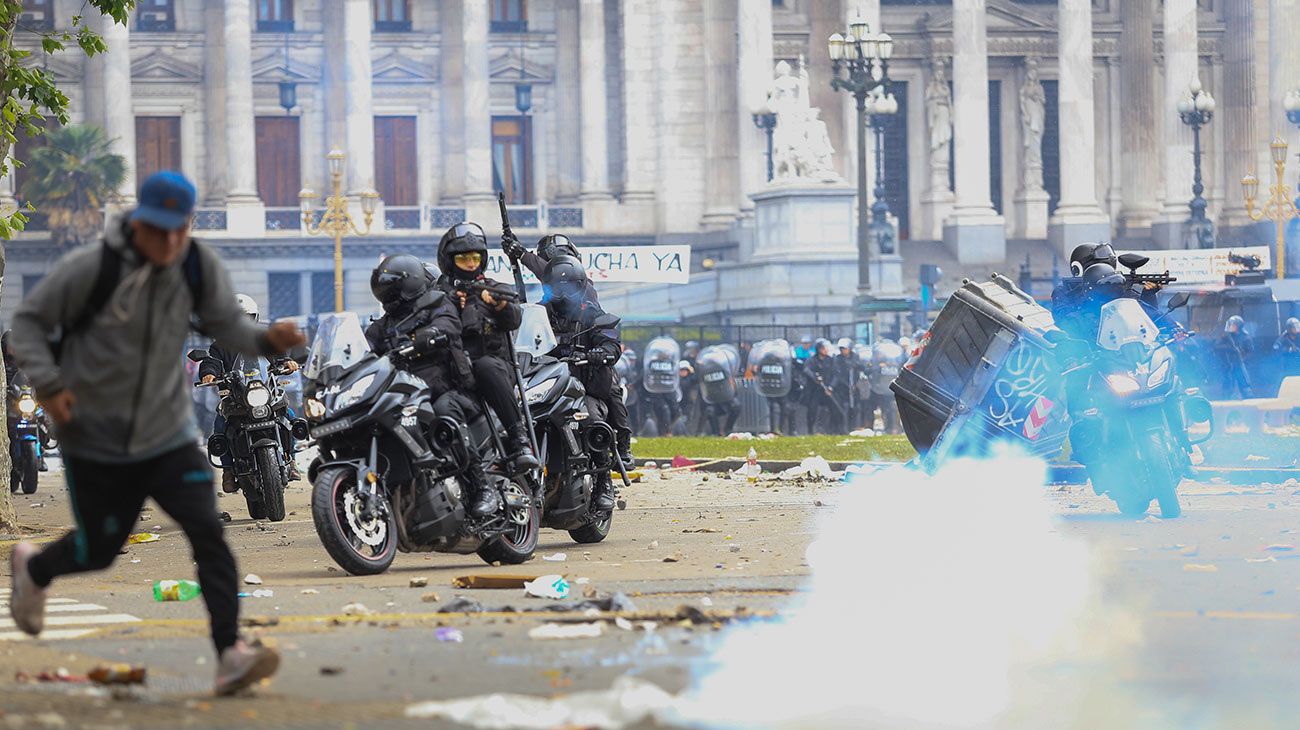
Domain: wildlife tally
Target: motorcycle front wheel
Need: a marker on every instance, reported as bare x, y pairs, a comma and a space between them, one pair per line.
518, 544
594, 532
359, 546
30, 466
270, 474
1164, 478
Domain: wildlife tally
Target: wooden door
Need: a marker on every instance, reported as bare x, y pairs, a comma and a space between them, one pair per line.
157, 145
512, 153
279, 175
396, 161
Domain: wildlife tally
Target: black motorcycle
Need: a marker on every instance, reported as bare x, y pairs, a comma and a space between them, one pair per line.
29, 440
391, 474
1131, 415
574, 441
256, 438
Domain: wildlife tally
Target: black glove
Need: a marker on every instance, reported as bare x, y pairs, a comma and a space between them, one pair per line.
426, 340
511, 245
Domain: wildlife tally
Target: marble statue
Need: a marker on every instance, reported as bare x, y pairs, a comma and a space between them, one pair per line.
938, 114
801, 144
1033, 111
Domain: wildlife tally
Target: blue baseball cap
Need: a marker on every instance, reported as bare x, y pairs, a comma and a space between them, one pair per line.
166, 201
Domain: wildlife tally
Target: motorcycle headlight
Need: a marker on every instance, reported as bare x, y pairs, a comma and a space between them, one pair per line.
1159, 375
257, 396
1122, 383
539, 391
26, 405
354, 393
314, 408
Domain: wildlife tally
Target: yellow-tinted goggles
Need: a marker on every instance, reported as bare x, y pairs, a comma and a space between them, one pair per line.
469, 258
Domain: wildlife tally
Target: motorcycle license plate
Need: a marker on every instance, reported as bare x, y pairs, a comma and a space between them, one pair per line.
260, 425
334, 427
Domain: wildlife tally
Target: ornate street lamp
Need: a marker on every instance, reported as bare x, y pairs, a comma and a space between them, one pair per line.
1196, 109
1279, 207
288, 87
879, 107
336, 221
863, 59
765, 119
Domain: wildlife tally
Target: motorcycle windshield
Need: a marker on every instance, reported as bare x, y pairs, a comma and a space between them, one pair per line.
340, 343
534, 336
1124, 322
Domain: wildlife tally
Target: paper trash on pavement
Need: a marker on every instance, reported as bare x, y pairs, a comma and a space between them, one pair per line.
811, 466
567, 631
142, 537
628, 702
548, 586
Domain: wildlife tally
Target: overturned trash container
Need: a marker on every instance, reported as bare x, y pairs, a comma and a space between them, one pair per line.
983, 374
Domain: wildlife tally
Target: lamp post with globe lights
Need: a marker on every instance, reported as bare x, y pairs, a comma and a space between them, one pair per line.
1196, 109
335, 220
1279, 207
860, 66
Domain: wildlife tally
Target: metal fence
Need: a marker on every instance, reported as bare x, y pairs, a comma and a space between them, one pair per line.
637, 334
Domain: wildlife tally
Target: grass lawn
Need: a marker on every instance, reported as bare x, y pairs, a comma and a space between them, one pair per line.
782, 448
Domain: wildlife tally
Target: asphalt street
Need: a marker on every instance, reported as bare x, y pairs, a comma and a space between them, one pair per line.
1202, 613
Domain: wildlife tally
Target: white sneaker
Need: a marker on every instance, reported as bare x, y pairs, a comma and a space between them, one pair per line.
27, 604
242, 666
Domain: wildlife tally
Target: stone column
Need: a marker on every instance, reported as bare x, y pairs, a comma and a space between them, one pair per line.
213, 187
568, 100
826, 17
451, 107
753, 79
1078, 218
1180, 69
241, 157
1140, 138
358, 99
591, 75
119, 114
721, 109
974, 232
1283, 70
478, 115
1242, 131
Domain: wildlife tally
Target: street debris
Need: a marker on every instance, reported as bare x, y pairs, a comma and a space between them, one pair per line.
628, 702
175, 590
419, 582
461, 605
430, 598
309, 592
555, 558
690, 530
751, 469
548, 586
252, 579
61, 675
617, 602
681, 462
117, 674
1280, 548
1199, 568
815, 467
449, 634
259, 593
140, 538
863, 433
225, 517
259, 621
357, 609
492, 581
544, 632
674, 558
331, 671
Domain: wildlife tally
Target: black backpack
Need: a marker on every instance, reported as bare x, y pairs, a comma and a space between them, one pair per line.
110, 274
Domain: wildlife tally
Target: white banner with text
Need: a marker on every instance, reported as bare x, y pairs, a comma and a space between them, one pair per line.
669, 264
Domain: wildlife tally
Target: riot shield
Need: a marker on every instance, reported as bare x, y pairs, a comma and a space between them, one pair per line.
716, 368
775, 368
660, 365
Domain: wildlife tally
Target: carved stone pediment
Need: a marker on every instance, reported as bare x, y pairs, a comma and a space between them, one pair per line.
162, 66
272, 68
508, 65
399, 68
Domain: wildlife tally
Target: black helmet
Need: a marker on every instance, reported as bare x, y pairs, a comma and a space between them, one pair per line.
461, 238
1087, 254
400, 277
1292, 326
1101, 274
556, 244
565, 277
1234, 324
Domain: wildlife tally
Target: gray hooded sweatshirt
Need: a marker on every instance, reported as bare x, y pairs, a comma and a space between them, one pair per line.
124, 367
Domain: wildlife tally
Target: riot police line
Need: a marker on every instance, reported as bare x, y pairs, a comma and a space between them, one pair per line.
769, 387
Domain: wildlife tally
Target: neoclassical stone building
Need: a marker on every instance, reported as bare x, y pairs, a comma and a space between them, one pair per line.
1023, 125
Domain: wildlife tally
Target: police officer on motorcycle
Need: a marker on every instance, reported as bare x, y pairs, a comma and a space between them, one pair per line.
487, 322
220, 361
417, 312
548, 247
583, 329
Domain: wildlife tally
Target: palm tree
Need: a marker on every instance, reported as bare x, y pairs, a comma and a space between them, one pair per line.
70, 178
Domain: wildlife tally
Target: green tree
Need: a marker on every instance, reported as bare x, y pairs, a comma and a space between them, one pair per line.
27, 95
70, 178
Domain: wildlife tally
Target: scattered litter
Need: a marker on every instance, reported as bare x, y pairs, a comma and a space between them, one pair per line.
1188, 550
735, 548
617, 603
556, 558
357, 609
582, 581
741, 436
430, 598
654, 544
58, 675
461, 605
813, 466
706, 601
624, 624
259, 593
752, 469
252, 579
548, 586
140, 538
621, 504
650, 465
331, 671
419, 582
681, 462
1256, 457
674, 558
449, 634
628, 702
117, 674
863, 433
133, 562
567, 631
1280, 548
259, 621
1199, 568
492, 581
698, 529
309, 592
1269, 559
225, 517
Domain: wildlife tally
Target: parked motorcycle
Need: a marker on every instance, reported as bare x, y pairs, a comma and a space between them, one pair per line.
1129, 409
30, 439
391, 473
256, 438
575, 442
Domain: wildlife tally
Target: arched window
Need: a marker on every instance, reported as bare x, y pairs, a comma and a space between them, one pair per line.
392, 16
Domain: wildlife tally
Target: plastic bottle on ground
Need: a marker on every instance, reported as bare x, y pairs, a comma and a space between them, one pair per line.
175, 590
752, 468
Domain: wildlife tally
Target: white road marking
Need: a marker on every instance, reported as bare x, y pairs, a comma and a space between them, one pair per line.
55, 634
111, 618
76, 618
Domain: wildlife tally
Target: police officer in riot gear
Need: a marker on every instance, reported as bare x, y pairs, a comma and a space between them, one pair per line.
818, 382
585, 331
417, 311
1287, 347
1235, 347
487, 320
548, 247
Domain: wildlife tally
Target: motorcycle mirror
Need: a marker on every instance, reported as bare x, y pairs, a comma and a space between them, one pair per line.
1178, 301
197, 355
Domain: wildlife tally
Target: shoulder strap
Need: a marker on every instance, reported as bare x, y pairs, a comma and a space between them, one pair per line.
193, 268
110, 271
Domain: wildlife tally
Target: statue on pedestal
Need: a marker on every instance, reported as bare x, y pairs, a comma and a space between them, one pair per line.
1033, 111
801, 144
938, 114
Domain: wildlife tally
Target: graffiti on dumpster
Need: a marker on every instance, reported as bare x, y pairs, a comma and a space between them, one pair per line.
1022, 382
